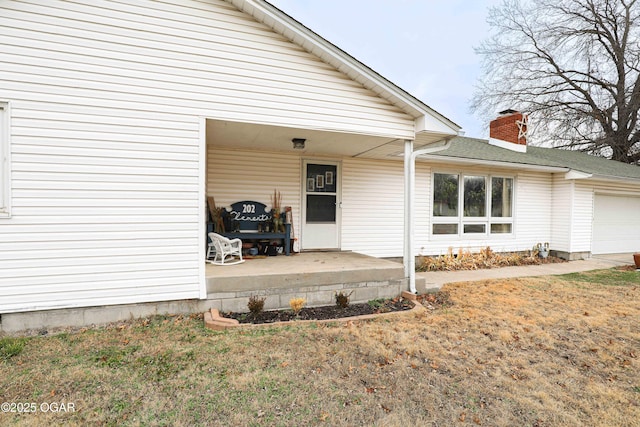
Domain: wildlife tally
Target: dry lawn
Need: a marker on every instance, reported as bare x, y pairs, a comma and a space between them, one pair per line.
550, 351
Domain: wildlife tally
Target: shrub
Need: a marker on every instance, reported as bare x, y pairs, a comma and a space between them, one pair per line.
486, 258
376, 304
342, 299
297, 304
256, 304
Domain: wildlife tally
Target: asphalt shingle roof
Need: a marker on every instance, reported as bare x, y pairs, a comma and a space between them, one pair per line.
480, 149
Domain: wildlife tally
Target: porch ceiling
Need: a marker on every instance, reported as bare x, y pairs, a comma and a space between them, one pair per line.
256, 137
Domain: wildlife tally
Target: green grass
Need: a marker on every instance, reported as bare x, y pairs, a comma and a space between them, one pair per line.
113, 357
11, 347
606, 277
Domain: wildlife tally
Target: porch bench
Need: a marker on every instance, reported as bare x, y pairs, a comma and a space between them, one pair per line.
256, 235
244, 218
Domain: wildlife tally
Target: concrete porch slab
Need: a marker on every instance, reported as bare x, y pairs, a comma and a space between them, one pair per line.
315, 276
301, 270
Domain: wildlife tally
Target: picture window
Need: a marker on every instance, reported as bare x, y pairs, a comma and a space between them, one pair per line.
486, 201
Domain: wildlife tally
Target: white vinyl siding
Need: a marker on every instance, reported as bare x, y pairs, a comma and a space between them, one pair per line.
582, 217
572, 215
373, 207
423, 202
561, 213
103, 212
5, 161
533, 209
107, 100
194, 58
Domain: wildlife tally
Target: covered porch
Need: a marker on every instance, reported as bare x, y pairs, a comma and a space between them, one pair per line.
347, 192
315, 276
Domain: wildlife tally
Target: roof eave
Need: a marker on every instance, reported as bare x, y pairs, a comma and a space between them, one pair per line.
607, 178
297, 33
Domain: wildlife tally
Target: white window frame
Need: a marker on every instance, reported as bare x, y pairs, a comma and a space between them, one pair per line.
501, 219
5, 160
462, 220
474, 220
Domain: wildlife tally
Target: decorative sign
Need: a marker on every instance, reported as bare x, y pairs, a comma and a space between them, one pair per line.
249, 211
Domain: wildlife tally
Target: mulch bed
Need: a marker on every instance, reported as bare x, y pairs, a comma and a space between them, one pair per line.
323, 313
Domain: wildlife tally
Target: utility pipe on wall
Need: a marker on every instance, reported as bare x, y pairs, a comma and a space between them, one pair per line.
409, 199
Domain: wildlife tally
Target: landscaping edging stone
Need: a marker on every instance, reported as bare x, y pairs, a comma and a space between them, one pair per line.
213, 319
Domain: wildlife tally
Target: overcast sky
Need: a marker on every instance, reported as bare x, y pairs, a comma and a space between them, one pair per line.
423, 46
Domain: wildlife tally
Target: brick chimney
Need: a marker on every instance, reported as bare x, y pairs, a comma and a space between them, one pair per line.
509, 130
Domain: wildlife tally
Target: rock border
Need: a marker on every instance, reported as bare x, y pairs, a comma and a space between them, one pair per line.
213, 320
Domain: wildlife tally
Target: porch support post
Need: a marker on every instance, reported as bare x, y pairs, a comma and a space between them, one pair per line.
409, 197
202, 207
409, 190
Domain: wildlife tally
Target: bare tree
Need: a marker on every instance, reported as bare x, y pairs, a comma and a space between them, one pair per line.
574, 66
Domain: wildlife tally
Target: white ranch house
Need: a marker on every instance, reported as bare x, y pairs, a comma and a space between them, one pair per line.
119, 119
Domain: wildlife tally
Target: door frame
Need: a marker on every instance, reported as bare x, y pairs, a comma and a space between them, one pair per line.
303, 201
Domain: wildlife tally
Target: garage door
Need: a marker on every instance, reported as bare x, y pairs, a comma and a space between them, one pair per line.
616, 224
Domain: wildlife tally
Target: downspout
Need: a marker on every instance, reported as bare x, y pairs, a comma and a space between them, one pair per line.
408, 239
409, 199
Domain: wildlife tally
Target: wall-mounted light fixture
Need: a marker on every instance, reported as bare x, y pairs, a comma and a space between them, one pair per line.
298, 143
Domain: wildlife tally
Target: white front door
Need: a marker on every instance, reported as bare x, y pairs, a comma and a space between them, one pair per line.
321, 205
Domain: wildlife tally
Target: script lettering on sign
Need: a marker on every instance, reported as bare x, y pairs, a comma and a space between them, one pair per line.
249, 211
239, 216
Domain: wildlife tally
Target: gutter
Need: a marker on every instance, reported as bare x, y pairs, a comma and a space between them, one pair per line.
512, 165
409, 216
575, 175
